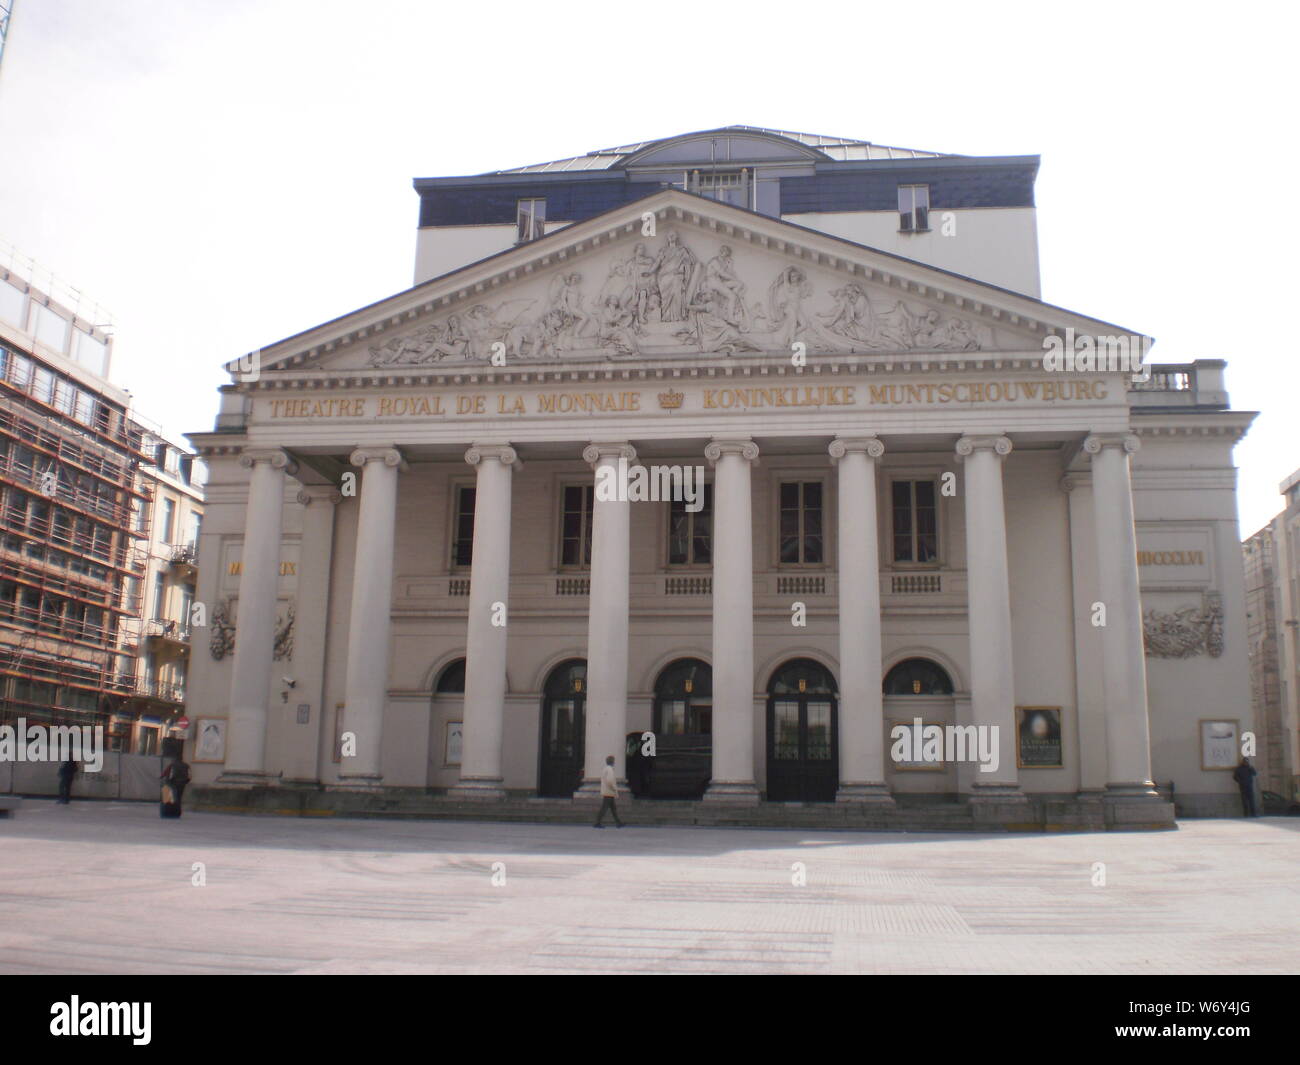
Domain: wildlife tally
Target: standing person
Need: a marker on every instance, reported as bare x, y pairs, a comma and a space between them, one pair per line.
174, 778
608, 794
67, 771
1244, 775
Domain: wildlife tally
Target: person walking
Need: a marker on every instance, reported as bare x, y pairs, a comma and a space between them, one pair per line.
67, 771
174, 778
1244, 775
608, 794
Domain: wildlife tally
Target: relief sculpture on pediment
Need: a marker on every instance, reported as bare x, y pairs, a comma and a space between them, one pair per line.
672, 300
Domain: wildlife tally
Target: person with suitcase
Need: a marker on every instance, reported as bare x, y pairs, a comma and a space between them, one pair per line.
174, 778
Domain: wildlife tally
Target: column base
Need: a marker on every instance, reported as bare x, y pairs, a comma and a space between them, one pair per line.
246, 778
358, 782
478, 789
877, 795
1138, 805
1004, 805
736, 792
999, 793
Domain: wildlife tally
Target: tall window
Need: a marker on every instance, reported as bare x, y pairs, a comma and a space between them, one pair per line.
575, 525
690, 535
159, 595
801, 522
462, 539
916, 536
532, 219
914, 208
168, 520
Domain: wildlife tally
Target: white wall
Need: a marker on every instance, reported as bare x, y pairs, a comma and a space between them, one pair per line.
997, 245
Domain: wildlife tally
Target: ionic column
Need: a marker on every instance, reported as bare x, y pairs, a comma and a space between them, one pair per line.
993, 694
607, 619
733, 622
259, 581
486, 643
319, 503
370, 623
862, 714
1128, 740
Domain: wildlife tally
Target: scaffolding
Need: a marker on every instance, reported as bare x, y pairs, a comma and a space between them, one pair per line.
6, 13
73, 511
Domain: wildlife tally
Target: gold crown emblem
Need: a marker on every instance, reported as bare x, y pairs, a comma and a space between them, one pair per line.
671, 400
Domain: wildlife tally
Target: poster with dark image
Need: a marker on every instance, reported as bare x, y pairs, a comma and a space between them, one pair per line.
1039, 733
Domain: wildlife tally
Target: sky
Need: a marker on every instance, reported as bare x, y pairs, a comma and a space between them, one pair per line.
220, 174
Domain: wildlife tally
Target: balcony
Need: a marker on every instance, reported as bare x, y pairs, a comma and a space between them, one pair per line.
1196, 384
167, 633
184, 557
161, 692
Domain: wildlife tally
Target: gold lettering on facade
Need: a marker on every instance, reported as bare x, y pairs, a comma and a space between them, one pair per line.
1171, 558
287, 569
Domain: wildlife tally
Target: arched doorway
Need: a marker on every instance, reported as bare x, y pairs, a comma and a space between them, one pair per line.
917, 689
563, 729
446, 725
683, 727
802, 733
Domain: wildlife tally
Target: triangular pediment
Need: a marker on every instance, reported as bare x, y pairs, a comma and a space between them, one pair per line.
675, 277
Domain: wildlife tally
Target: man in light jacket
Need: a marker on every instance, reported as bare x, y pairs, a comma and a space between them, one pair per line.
608, 794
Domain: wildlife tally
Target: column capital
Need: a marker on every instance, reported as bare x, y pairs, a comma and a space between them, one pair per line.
746, 449
594, 452
867, 445
319, 493
503, 453
389, 456
277, 458
999, 445
1128, 441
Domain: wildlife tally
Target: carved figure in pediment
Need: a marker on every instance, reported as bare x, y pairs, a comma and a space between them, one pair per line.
935, 333
721, 278
710, 328
485, 326
616, 325
644, 285
450, 342
675, 271
850, 317
786, 316
400, 350
566, 297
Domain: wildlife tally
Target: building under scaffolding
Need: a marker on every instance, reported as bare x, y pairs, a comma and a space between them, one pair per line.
77, 487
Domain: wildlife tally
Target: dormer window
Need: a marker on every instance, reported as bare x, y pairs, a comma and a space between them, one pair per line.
914, 208
727, 186
532, 220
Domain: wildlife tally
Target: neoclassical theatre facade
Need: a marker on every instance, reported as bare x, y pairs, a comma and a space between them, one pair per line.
416, 578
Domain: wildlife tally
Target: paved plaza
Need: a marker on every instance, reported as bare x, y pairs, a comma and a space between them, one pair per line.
108, 888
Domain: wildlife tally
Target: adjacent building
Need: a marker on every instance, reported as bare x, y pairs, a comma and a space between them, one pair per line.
78, 495
430, 567
159, 632
1272, 559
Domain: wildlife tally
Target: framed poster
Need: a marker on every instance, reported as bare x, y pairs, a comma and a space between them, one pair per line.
1219, 743
1038, 737
914, 749
210, 740
451, 748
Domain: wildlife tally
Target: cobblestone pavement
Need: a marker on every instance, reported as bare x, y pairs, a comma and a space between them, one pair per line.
108, 888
